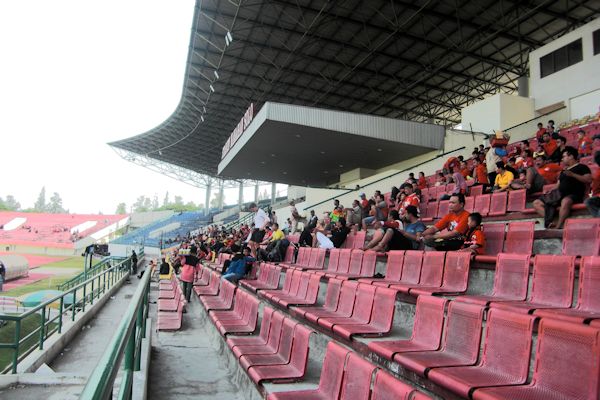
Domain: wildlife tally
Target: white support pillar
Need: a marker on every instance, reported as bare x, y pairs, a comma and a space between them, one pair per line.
221, 194
207, 204
241, 195
273, 192
256, 192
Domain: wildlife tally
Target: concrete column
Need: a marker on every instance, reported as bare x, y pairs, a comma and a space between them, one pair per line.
256, 192
207, 204
523, 86
273, 192
221, 184
241, 195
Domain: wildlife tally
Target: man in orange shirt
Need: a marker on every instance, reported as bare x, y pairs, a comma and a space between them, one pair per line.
456, 223
584, 144
480, 173
411, 199
540, 132
540, 174
593, 203
549, 145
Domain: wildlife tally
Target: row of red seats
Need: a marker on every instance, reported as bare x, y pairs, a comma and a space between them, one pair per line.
170, 305
448, 355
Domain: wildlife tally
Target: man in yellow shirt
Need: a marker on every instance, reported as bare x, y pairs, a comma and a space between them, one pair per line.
503, 178
277, 233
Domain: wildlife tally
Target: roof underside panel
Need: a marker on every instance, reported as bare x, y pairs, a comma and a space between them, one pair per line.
413, 60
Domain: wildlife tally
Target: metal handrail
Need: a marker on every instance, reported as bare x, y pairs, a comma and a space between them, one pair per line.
89, 290
127, 342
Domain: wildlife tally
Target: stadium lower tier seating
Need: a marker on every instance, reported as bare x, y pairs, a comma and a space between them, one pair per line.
461, 344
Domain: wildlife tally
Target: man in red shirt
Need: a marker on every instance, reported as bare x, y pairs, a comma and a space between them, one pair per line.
593, 203
540, 132
584, 144
549, 145
411, 199
542, 173
480, 173
456, 223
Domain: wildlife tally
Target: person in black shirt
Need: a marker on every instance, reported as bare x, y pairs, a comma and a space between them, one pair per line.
164, 267
572, 184
337, 237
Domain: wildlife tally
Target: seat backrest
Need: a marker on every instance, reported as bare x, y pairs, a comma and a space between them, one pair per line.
384, 305
429, 320
357, 378
363, 302
349, 242
368, 263
346, 299
263, 274
498, 203
443, 208
553, 280
570, 377
432, 270
300, 347
330, 383
265, 323
450, 188
303, 256
519, 237
581, 237
516, 200
344, 261
420, 396
289, 254
462, 335
313, 288
512, 276
356, 259
239, 302
475, 190
295, 285
588, 296
274, 276
494, 238
295, 238
334, 258
312, 260
469, 204
456, 271
413, 261
288, 280
303, 288
251, 313
275, 330
334, 287
320, 258
395, 262
507, 344
359, 239
227, 291
386, 387
287, 338
482, 204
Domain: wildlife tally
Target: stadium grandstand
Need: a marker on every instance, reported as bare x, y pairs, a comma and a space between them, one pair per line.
450, 153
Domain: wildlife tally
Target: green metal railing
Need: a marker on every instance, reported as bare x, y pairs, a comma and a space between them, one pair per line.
69, 304
127, 343
104, 264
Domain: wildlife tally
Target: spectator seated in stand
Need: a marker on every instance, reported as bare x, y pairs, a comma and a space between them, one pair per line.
380, 214
540, 174
464, 170
239, 266
410, 199
561, 143
460, 184
399, 237
593, 203
571, 190
456, 224
164, 267
422, 182
549, 145
378, 232
335, 238
440, 179
475, 238
503, 178
480, 173
354, 214
584, 144
540, 132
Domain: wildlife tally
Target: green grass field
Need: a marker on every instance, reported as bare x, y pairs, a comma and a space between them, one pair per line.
7, 335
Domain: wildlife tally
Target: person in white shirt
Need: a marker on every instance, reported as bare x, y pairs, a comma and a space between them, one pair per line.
296, 218
260, 222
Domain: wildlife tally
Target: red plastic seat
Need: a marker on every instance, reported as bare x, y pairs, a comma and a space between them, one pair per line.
344, 307
443, 208
223, 301
505, 358
456, 276
359, 239
352, 268
170, 321
494, 240
432, 272
552, 285
268, 278
213, 287
203, 277
566, 365
386, 387
271, 344
361, 312
239, 304
334, 287
498, 204
290, 285
261, 277
247, 323
460, 344
581, 237
426, 332
307, 293
519, 237
330, 382
476, 191
356, 384
482, 204
317, 259
263, 336
278, 351
510, 280
432, 209
517, 199
411, 270
361, 264
381, 319
292, 370
289, 254
588, 296
393, 272
469, 204
302, 259
171, 304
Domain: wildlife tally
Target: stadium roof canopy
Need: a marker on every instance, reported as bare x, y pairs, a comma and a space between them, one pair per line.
412, 60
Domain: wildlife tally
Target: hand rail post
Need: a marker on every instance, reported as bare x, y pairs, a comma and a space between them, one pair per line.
73, 305
17, 345
60, 313
42, 328
92, 292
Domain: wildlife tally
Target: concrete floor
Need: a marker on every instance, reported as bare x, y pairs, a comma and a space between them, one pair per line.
186, 364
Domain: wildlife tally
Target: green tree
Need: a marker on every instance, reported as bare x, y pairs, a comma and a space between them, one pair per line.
166, 200
140, 204
121, 208
40, 203
214, 203
155, 205
10, 204
55, 206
